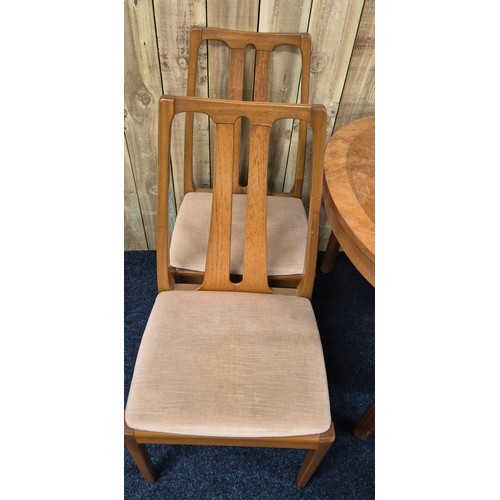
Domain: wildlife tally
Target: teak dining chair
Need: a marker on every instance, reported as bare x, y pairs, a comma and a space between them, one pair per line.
225, 363
287, 219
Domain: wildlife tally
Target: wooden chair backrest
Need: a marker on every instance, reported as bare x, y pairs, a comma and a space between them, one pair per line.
264, 44
225, 115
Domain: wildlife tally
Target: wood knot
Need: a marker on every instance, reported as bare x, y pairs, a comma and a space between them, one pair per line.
125, 114
183, 63
319, 61
331, 110
145, 98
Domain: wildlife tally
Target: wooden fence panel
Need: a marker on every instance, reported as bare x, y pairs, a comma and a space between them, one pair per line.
156, 56
142, 91
333, 28
358, 97
134, 235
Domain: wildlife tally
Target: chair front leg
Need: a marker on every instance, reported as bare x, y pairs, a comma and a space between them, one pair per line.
140, 455
314, 457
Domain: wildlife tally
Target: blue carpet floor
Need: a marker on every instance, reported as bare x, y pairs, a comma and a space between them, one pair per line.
344, 303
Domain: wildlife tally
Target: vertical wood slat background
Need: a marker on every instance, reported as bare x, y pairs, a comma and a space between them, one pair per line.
156, 56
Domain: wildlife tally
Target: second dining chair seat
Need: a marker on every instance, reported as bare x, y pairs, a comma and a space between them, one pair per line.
230, 364
286, 234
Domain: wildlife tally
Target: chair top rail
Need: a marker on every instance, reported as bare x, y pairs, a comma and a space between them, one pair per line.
236, 39
228, 111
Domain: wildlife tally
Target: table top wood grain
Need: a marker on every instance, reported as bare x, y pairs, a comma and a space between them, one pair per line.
349, 189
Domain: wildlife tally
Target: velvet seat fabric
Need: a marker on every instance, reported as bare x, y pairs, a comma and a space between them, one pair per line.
286, 234
230, 364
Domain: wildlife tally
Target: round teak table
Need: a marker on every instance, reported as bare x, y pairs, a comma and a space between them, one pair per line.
349, 191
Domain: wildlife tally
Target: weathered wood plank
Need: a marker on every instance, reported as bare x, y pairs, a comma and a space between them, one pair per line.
134, 235
358, 96
174, 21
333, 27
142, 91
284, 79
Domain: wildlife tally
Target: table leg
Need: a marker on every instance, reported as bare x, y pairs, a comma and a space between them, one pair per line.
366, 426
332, 249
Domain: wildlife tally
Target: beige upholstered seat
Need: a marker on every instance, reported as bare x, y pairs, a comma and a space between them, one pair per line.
230, 364
286, 234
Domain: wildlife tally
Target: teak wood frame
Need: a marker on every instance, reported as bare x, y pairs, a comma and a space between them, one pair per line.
264, 44
261, 116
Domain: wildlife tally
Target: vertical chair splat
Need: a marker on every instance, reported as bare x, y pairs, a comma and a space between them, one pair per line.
255, 254
261, 84
219, 242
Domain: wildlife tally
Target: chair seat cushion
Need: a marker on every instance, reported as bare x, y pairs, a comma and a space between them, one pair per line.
286, 234
230, 364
